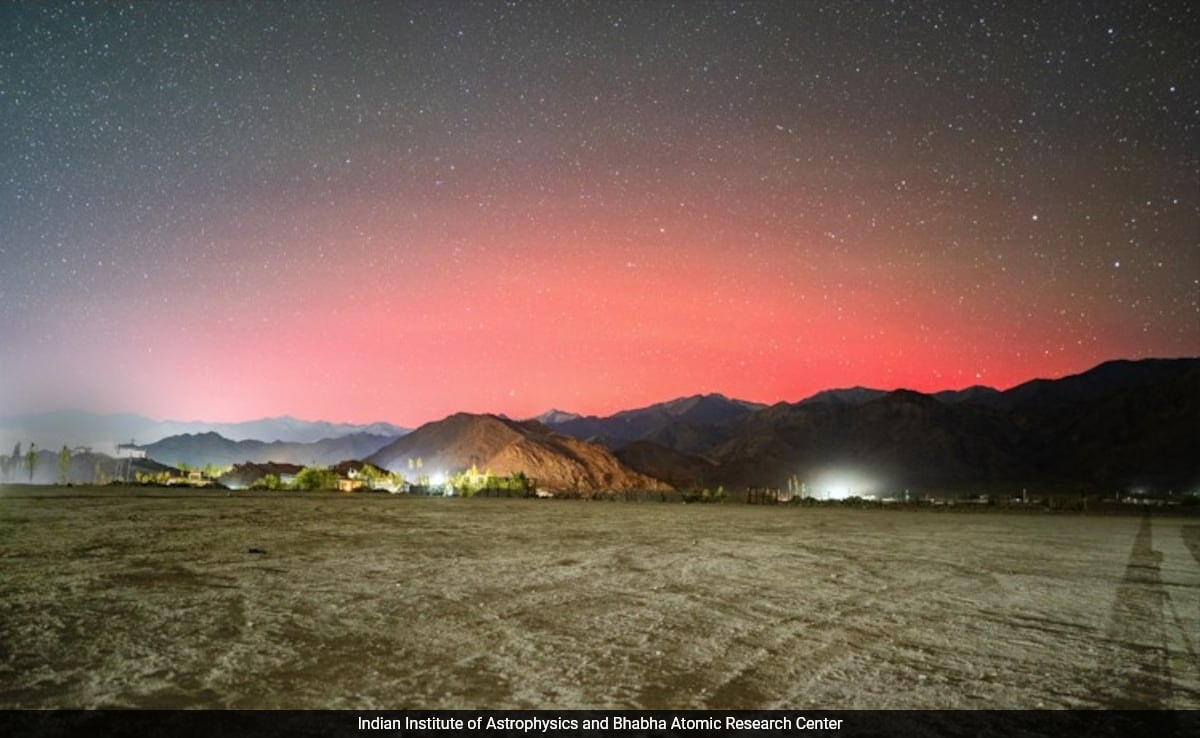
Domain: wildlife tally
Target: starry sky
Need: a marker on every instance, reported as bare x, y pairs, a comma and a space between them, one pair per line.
395, 211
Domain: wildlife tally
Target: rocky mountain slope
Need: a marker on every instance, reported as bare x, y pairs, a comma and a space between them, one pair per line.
503, 446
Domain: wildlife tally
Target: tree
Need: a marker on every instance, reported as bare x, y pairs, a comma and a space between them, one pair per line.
518, 482
312, 477
370, 474
12, 463
31, 460
270, 481
64, 466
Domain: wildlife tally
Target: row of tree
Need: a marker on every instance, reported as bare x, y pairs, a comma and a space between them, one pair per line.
471, 482
16, 466
467, 483
318, 477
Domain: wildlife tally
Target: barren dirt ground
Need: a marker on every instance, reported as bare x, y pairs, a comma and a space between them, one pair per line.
153, 599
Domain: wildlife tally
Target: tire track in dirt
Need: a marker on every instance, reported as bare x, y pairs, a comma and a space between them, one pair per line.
1137, 675
1191, 539
747, 685
1184, 647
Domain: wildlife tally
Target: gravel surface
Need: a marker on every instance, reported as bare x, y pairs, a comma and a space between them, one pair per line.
167, 599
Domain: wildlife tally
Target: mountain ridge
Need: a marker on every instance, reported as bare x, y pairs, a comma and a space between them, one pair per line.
210, 447
1121, 424
641, 423
105, 430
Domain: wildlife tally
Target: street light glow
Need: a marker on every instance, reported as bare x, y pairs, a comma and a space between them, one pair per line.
839, 483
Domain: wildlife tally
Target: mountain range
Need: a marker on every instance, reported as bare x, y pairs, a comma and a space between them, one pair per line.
657, 421
1120, 425
211, 448
103, 432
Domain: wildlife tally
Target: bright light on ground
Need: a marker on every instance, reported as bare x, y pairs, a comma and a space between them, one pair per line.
841, 483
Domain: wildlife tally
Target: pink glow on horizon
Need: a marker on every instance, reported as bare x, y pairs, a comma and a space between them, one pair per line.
497, 325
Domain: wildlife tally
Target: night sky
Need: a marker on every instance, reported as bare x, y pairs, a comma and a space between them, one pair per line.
396, 211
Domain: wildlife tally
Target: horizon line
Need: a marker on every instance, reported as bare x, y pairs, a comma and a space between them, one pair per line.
288, 416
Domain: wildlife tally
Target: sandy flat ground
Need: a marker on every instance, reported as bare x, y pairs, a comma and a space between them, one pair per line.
153, 599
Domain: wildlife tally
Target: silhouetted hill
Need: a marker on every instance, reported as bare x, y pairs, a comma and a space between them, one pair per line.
677, 469
103, 432
977, 394
850, 396
212, 448
1094, 385
1120, 425
632, 425
503, 447
1124, 424
863, 395
689, 438
905, 438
